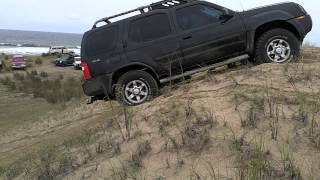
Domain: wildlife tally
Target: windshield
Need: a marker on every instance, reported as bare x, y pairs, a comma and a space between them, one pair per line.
65, 57
17, 59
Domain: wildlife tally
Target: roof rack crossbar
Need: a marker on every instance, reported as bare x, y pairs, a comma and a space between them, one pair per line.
107, 19
164, 4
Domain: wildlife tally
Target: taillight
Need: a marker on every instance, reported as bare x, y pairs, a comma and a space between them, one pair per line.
86, 71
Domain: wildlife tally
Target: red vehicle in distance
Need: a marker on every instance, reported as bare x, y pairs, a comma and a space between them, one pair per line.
18, 62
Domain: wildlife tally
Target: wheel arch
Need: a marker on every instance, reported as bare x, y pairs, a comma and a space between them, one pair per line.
277, 24
133, 66
281, 24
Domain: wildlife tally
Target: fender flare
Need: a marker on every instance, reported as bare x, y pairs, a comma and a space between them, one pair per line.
257, 21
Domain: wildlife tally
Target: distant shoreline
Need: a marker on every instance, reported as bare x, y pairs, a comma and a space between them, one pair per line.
6, 45
41, 31
31, 51
18, 38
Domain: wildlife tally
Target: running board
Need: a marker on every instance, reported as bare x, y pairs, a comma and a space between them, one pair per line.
192, 72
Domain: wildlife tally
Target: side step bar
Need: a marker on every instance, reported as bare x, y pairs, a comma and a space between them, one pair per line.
192, 72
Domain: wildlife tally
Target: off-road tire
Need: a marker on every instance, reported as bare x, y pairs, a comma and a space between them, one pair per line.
263, 41
139, 75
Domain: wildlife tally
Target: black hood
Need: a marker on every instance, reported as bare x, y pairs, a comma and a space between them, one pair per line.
291, 8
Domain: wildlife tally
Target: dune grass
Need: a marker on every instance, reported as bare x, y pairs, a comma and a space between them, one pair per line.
57, 90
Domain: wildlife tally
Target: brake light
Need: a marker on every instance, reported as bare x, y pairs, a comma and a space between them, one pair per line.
86, 71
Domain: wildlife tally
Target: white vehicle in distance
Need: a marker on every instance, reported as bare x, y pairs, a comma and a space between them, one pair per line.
58, 50
77, 63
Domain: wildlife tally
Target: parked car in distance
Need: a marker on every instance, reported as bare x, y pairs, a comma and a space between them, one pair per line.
58, 50
18, 62
132, 58
77, 63
65, 60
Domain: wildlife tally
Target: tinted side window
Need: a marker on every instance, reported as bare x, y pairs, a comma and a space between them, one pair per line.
101, 41
197, 16
150, 28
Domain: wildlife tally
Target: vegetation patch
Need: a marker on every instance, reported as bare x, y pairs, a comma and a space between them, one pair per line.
52, 162
57, 90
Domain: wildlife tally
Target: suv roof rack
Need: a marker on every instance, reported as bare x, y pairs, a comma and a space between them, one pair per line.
164, 4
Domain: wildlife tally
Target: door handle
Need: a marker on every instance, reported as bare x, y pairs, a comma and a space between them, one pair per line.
187, 37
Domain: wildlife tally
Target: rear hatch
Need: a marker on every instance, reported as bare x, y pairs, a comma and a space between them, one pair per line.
98, 46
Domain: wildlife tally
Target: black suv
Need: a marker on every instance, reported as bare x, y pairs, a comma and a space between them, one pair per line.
130, 59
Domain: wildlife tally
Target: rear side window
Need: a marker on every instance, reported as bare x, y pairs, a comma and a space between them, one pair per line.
102, 41
197, 16
150, 28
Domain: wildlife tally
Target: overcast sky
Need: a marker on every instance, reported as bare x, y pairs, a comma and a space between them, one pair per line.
77, 16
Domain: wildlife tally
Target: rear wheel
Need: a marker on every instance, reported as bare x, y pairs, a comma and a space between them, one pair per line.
277, 46
136, 87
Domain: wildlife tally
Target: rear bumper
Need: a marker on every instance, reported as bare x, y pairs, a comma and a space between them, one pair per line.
77, 65
98, 86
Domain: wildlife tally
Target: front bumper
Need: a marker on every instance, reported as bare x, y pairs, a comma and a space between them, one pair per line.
59, 63
98, 86
308, 24
62, 64
18, 66
303, 25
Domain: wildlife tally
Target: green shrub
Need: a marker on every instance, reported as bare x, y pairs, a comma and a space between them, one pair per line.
137, 157
6, 66
18, 76
6, 81
9, 83
54, 91
38, 61
34, 73
12, 171
51, 163
43, 74
253, 164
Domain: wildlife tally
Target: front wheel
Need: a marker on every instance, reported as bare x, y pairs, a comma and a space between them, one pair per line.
277, 46
136, 87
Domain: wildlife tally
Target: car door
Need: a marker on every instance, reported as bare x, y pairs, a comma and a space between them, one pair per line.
152, 41
207, 34
70, 60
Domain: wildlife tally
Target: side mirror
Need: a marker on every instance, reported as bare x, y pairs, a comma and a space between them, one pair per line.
225, 17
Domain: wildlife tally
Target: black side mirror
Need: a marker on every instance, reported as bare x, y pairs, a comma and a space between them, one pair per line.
225, 17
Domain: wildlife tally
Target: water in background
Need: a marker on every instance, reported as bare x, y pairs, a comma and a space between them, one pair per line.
35, 43
36, 39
